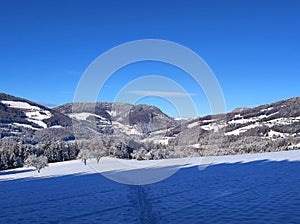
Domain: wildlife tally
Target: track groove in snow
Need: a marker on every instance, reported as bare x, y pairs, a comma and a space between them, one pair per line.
146, 214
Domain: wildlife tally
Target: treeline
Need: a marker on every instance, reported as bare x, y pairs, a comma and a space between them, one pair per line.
13, 154
124, 149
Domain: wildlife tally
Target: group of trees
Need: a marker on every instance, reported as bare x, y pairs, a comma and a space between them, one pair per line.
125, 149
14, 154
230, 145
131, 149
104, 146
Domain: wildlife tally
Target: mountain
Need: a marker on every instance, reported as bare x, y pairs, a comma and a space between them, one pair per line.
24, 120
118, 118
270, 127
21, 118
142, 131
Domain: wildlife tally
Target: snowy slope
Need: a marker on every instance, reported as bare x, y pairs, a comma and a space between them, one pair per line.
34, 114
21, 119
258, 188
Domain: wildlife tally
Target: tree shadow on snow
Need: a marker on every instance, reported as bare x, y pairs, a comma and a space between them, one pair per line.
2, 173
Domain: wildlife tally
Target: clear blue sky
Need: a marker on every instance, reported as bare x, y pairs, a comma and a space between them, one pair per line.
253, 47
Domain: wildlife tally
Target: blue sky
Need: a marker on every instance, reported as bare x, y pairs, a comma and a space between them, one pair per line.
252, 46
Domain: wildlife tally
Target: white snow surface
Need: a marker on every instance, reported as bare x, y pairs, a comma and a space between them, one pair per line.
242, 120
19, 105
272, 133
181, 119
250, 188
163, 140
213, 126
194, 124
267, 109
56, 126
77, 167
243, 129
25, 126
85, 115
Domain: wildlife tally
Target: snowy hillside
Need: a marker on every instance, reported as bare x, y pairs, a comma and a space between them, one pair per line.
256, 188
33, 113
264, 128
118, 118
20, 118
140, 131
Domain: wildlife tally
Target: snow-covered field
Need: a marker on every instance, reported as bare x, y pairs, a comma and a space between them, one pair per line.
256, 188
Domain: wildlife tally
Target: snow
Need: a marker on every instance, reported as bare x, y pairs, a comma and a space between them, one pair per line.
112, 113
294, 146
85, 115
282, 121
33, 113
192, 125
213, 127
267, 109
181, 119
15, 132
25, 126
242, 120
197, 145
38, 117
270, 123
272, 133
56, 126
54, 169
243, 129
127, 129
295, 119
163, 140
253, 188
77, 167
237, 116
158, 139
19, 105
159, 132
291, 156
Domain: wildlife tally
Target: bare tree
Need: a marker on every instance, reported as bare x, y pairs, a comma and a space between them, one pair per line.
39, 162
84, 155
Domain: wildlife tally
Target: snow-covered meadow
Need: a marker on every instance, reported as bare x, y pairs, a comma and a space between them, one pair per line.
254, 188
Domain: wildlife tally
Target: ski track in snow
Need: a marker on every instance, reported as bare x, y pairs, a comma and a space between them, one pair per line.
234, 189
